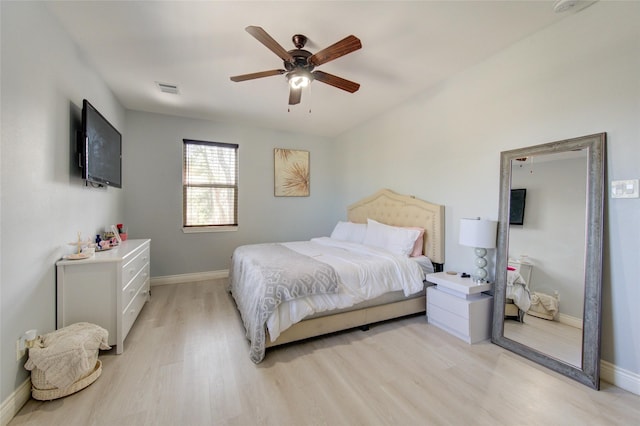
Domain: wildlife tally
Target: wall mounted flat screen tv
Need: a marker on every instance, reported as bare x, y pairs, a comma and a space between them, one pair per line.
100, 148
516, 206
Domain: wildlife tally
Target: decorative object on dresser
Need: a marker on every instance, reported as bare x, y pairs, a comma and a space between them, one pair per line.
459, 306
379, 284
582, 163
480, 234
108, 289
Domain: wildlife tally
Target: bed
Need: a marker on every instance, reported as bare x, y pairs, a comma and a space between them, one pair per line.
518, 296
316, 304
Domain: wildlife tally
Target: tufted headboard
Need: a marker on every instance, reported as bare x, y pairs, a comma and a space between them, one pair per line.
386, 206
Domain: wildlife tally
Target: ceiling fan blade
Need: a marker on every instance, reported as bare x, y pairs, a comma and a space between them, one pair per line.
336, 81
336, 50
295, 95
264, 38
260, 74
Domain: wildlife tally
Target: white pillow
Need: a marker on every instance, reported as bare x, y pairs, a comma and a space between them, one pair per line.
349, 231
392, 238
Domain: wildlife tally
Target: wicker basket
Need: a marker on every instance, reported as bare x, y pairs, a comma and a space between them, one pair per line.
45, 391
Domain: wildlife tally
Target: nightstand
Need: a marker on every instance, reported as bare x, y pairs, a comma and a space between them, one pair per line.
458, 306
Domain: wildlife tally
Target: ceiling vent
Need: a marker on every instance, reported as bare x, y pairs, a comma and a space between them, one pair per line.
168, 88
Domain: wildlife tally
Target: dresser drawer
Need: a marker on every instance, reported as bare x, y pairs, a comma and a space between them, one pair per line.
468, 319
440, 317
446, 301
131, 268
130, 313
129, 292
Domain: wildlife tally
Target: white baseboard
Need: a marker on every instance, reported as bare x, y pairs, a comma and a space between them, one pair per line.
570, 321
186, 278
14, 402
620, 377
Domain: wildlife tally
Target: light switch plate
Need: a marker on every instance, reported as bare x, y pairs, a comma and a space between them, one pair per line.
624, 188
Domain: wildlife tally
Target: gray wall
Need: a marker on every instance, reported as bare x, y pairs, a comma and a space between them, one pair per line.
44, 203
153, 197
575, 78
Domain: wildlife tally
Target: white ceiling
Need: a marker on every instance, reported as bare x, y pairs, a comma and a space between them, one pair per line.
408, 47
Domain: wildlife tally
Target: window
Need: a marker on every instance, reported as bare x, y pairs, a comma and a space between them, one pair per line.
209, 186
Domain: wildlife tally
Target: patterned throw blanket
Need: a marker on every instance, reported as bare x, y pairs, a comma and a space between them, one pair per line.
265, 275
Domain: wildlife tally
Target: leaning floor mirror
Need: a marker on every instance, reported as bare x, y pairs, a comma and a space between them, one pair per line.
549, 256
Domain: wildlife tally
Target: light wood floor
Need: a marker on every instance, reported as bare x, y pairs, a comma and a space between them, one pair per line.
553, 338
186, 363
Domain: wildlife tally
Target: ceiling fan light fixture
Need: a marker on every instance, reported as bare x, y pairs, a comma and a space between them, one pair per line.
299, 79
299, 82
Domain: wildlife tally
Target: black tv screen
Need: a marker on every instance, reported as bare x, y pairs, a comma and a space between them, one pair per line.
101, 149
516, 206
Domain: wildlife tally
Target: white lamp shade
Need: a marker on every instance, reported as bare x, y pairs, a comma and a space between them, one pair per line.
478, 233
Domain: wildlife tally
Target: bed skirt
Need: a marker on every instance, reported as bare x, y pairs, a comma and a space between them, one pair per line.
388, 306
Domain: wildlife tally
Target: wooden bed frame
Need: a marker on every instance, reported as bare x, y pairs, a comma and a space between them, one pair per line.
511, 310
390, 208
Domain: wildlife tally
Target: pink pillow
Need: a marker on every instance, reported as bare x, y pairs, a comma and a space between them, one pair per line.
417, 246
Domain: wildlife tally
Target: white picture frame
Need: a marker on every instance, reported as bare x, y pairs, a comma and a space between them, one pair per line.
116, 234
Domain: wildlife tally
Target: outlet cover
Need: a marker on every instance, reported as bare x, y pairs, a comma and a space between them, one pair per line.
624, 188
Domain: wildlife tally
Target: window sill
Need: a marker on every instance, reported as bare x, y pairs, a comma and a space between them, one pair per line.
200, 229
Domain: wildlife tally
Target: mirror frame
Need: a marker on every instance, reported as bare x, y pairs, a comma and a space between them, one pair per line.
589, 372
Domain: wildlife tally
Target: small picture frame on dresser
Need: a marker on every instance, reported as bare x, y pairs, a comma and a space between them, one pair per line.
116, 234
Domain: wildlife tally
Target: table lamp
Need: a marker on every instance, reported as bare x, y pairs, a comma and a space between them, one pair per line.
480, 234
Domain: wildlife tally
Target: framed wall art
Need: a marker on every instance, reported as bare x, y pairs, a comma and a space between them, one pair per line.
291, 173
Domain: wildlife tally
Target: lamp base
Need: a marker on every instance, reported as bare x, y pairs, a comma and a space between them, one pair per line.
480, 274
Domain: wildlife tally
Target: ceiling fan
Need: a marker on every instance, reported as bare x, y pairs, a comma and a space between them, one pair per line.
299, 64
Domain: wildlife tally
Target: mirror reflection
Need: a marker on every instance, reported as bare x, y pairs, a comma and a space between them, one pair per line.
545, 278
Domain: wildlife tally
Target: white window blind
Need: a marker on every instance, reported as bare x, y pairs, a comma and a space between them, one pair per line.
209, 184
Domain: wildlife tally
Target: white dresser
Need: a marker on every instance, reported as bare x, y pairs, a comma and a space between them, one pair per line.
108, 289
458, 306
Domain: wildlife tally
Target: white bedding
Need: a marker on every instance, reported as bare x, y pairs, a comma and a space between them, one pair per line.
518, 290
364, 273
